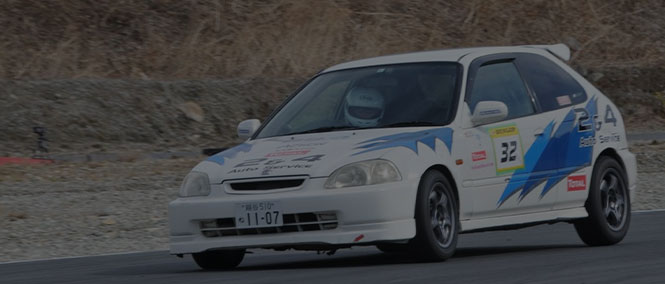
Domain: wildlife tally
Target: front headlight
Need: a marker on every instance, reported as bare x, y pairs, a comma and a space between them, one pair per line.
195, 184
363, 173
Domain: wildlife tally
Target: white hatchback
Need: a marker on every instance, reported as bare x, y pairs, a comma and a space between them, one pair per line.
407, 151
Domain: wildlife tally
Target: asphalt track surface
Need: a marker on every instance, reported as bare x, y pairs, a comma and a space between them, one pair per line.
541, 254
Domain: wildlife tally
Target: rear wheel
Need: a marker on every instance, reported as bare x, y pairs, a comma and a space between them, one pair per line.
437, 222
608, 205
219, 259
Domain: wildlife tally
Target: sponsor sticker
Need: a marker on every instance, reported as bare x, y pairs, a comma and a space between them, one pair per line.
482, 166
563, 100
300, 146
288, 153
576, 183
612, 138
242, 170
489, 112
478, 156
587, 141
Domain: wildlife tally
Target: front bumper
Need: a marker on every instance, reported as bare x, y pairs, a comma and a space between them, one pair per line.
365, 214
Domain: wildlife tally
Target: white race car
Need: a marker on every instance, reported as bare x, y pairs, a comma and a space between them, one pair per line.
407, 151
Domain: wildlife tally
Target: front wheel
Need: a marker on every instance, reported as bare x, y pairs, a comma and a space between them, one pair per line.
437, 222
219, 259
608, 205
393, 248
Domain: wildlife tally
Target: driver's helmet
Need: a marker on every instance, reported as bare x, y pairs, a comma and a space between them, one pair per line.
363, 107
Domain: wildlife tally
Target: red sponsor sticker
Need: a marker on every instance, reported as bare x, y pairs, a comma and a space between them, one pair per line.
288, 153
576, 183
479, 156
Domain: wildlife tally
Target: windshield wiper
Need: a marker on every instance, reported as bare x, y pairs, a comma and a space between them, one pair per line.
323, 129
409, 123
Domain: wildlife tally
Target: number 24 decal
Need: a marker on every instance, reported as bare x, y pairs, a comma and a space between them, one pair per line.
585, 122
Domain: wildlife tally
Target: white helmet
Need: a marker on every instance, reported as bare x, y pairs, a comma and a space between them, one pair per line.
363, 107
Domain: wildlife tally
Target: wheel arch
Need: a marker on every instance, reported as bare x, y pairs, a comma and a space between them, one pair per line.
628, 177
446, 172
612, 153
595, 230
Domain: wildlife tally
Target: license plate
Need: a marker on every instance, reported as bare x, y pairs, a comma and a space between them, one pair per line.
258, 215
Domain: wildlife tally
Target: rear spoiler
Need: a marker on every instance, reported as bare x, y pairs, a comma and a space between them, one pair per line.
559, 50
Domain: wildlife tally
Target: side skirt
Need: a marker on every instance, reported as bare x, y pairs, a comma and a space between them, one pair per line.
523, 220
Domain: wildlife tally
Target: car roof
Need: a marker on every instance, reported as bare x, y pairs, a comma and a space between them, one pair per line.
450, 55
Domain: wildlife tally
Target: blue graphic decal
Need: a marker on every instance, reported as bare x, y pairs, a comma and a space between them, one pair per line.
409, 140
535, 151
568, 150
230, 153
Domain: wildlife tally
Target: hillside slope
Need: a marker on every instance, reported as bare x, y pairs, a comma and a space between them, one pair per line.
178, 39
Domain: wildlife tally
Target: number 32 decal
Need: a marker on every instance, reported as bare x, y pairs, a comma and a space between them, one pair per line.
508, 151
507, 148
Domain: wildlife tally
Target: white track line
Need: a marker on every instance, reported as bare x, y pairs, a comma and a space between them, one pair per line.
649, 211
82, 256
166, 251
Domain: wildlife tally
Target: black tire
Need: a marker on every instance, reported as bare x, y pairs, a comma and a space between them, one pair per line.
608, 205
219, 259
393, 248
436, 235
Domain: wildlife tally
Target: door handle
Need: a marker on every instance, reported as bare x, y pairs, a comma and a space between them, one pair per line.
539, 132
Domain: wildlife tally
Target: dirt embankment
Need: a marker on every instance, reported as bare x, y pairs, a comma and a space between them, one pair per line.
92, 115
116, 115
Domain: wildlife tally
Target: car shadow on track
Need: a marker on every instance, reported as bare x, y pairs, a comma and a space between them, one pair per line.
378, 258
343, 259
484, 251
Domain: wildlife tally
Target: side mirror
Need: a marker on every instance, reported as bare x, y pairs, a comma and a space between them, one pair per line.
246, 128
488, 112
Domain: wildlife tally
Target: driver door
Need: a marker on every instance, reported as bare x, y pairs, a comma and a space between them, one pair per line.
501, 169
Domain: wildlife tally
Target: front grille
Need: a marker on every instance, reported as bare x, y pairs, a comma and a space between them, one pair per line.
300, 222
267, 185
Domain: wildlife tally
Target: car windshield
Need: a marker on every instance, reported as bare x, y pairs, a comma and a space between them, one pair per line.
400, 95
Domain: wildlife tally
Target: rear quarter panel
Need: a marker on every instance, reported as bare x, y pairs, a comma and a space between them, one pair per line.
610, 135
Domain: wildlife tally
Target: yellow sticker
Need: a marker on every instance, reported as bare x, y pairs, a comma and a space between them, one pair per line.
504, 131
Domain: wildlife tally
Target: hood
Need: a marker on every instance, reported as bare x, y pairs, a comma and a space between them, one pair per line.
314, 155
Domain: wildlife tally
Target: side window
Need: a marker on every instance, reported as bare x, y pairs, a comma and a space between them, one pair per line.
554, 88
501, 82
